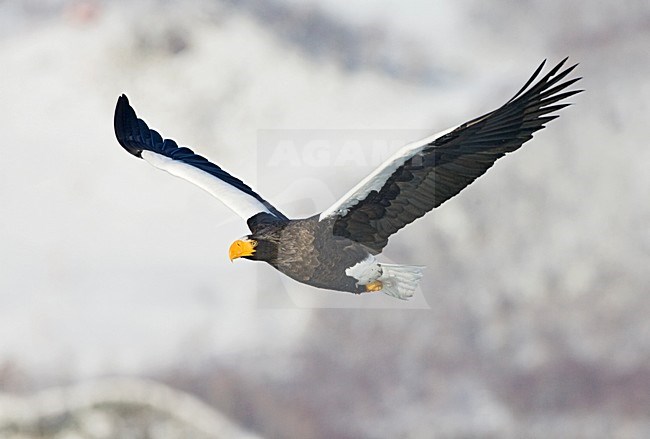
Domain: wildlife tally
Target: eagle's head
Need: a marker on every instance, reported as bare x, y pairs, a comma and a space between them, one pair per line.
242, 248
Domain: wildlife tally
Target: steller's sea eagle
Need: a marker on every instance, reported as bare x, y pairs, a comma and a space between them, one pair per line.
336, 249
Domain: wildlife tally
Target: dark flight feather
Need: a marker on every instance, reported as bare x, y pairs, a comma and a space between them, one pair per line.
451, 162
135, 136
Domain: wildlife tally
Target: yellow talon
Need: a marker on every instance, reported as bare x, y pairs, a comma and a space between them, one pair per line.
373, 287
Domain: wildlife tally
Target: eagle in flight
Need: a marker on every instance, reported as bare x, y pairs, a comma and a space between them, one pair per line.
337, 248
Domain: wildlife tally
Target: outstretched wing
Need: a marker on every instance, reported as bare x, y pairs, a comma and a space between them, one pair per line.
425, 174
141, 141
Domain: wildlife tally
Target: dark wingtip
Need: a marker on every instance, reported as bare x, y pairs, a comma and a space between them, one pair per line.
124, 122
122, 104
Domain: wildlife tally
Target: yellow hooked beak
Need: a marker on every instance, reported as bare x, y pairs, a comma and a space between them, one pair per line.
241, 248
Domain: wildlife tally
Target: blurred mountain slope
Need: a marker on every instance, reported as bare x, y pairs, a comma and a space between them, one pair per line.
537, 274
112, 408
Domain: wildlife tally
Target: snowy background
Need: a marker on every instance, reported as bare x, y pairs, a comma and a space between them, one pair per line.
532, 320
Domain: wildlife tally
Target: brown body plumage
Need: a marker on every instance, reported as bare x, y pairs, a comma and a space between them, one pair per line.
307, 250
336, 249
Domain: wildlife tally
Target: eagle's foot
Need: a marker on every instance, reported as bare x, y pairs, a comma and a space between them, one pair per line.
373, 287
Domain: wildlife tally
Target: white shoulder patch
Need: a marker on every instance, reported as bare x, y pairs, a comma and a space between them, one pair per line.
378, 177
239, 202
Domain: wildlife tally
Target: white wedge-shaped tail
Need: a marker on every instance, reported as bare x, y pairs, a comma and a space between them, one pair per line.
400, 281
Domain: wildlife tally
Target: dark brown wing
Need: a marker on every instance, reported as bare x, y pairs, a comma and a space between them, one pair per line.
443, 167
138, 139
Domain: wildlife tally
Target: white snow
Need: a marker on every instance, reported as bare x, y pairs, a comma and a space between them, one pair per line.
88, 287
